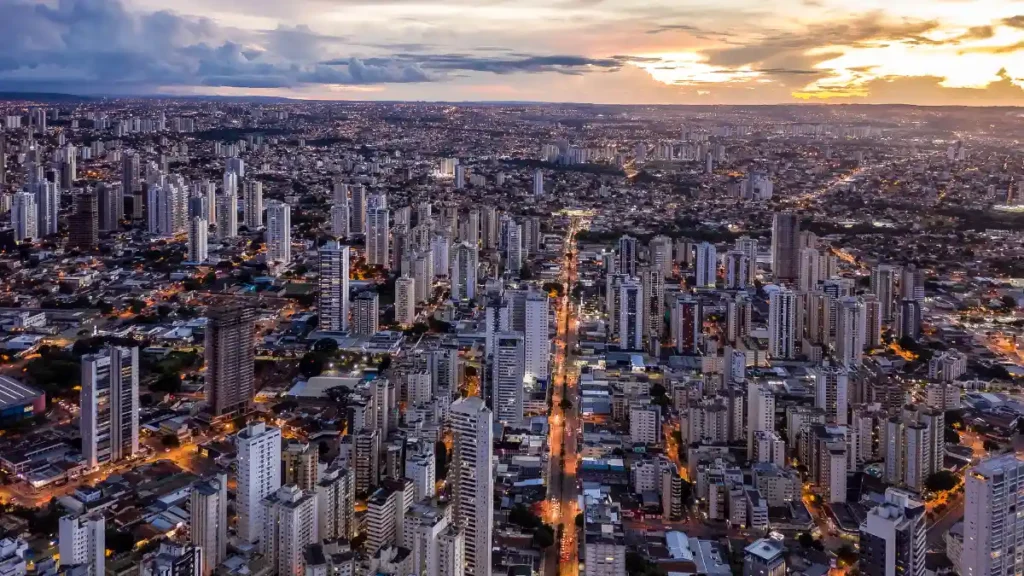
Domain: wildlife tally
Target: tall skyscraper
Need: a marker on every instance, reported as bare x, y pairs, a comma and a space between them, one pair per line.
782, 324
707, 265
832, 392
358, 209
111, 206
538, 182
365, 313
405, 301
279, 232
83, 225
252, 211
81, 541
109, 402
3, 159
299, 464
883, 285
785, 244
893, 537
47, 207
259, 475
748, 246
333, 307
230, 358
627, 255
760, 412
809, 270
378, 237
290, 526
340, 220
910, 319
335, 494
198, 240
661, 254
24, 217
489, 227
537, 337
131, 183
208, 528
463, 271
736, 270
687, 324
992, 527
473, 481
507, 372
851, 321
514, 253
630, 315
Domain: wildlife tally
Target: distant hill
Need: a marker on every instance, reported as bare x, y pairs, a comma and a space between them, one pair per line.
43, 97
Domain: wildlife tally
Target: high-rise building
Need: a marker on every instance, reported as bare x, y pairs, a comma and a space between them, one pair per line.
173, 559
537, 337
333, 307
489, 227
851, 319
748, 246
810, 273
627, 255
782, 324
420, 467
335, 494
912, 283
707, 265
366, 446
687, 324
198, 240
378, 237
259, 475
910, 319
47, 207
252, 210
131, 183
630, 315
299, 464
463, 269
405, 301
83, 225
785, 244
110, 206
893, 537
290, 526
24, 217
208, 528
736, 273
365, 313
653, 283
832, 392
358, 209
507, 372
109, 401
279, 232
230, 358
3, 159
514, 253
661, 255
992, 528
883, 286
538, 182
451, 552
473, 481
760, 411
340, 220
81, 541
872, 322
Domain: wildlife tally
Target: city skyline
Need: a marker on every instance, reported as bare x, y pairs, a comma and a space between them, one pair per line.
600, 51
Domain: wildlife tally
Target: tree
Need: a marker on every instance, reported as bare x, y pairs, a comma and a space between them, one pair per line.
543, 537
805, 539
385, 363
941, 481
565, 404
170, 441
846, 555
312, 364
657, 390
440, 460
1008, 301
326, 345
990, 445
522, 516
525, 273
579, 520
951, 436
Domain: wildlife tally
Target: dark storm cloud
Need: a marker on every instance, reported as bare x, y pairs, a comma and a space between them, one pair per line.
97, 46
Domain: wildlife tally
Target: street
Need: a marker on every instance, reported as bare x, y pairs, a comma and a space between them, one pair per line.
564, 425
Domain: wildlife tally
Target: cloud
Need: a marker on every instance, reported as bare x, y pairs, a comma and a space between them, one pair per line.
515, 63
674, 28
1013, 21
97, 46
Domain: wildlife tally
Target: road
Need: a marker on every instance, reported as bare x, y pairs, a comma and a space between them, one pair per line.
561, 507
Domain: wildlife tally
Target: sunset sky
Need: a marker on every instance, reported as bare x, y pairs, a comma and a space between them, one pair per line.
605, 51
